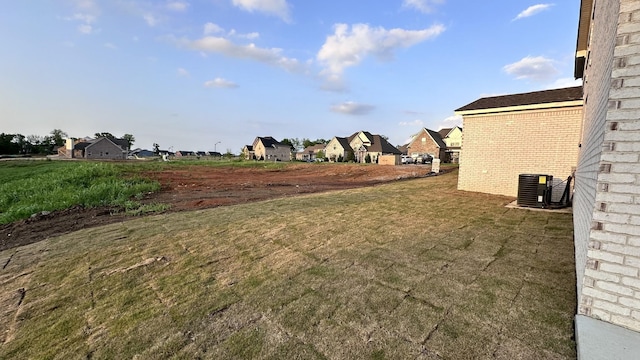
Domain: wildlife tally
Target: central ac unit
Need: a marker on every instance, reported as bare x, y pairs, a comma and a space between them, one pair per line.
534, 190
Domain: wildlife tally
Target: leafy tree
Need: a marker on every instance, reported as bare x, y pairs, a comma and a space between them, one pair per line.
351, 157
130, 140
21, 144
156, 149
288, 142
340, 158
306, 142
320, 155
7, 146
367, 159
297, 144
58, 137
104, 134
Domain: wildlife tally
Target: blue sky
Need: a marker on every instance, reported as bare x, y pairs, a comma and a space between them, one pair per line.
205, 74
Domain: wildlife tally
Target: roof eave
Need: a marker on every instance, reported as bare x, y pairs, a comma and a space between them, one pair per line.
551, 105
582, 40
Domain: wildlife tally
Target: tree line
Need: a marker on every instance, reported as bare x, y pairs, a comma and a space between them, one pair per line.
18, 144
297, 144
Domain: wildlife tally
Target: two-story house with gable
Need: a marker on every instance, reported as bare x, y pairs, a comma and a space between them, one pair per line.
452, 138
269, 149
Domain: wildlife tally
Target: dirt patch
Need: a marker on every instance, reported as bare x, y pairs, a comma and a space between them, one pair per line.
201, 187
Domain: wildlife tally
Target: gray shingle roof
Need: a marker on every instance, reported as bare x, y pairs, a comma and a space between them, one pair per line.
530, 98
380, 144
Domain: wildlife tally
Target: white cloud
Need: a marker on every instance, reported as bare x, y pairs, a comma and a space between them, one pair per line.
532, 10
177, 5
86, 18
211, 28
414, 123
352, 108
348, 47
279, 8
565, 82
413, 112
250, 36
85, 4
424, 6
150, 19
536, 68
182, 72
451, 121
85, 28
110, 46
220, 83
270, 56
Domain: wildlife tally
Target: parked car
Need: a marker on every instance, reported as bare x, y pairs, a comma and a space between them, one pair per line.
406, 159
423, 159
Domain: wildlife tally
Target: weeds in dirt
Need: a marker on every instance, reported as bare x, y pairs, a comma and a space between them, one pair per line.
409, 270
29, 187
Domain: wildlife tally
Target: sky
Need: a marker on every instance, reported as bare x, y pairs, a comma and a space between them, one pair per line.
206, 75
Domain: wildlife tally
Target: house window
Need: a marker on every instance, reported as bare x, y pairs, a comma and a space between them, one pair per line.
107, 153
100, 153
424, 140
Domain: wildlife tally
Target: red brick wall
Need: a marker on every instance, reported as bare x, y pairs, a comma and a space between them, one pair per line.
428, 146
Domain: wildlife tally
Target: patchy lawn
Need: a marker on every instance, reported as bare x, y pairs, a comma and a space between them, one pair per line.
413, 269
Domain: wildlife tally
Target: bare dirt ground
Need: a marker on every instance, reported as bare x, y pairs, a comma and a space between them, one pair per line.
201, 187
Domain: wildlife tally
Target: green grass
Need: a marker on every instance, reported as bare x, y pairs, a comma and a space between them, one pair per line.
29, 187
409, 270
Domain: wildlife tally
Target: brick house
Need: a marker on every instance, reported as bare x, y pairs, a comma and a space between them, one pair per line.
606, 206
529, 133
364, 143
452, 138
310, 152
248, 153
102, 148
269, 149
427, 142
336, 148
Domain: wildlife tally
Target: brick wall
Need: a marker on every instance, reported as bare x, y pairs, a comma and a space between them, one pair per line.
596, 92
496, 148
104, 149
424, 144
607, 213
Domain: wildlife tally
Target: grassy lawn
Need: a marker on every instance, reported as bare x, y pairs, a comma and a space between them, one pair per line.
28, 187
410, 270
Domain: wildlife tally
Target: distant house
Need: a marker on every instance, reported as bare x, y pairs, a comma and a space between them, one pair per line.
337, 148
452, 138
428, 142
248, 153
183, 153
102, 148
269, 149
404, 149
213, 154
530, 133
310, 153
139, 153
364, 143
